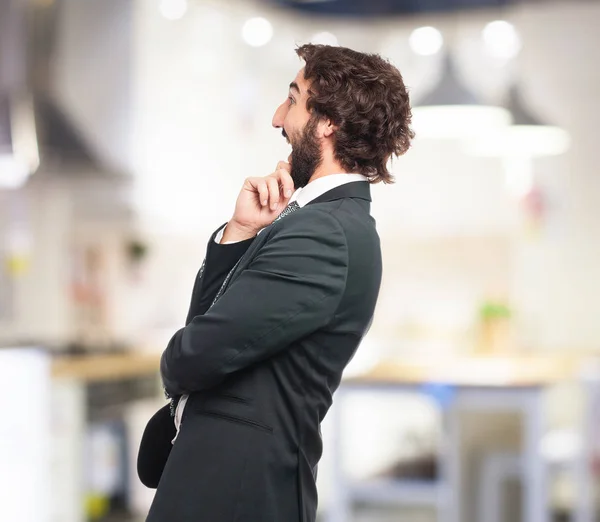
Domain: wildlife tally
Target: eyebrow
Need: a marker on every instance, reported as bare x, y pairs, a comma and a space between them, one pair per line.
294, 85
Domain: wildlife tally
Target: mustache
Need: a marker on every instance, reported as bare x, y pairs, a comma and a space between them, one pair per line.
284, 134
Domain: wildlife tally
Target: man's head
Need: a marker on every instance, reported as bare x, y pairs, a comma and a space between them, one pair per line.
346, 112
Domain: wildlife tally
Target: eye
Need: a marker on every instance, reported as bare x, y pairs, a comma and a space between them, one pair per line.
291, 100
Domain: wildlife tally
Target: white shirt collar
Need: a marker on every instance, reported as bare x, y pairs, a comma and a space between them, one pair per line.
319, 186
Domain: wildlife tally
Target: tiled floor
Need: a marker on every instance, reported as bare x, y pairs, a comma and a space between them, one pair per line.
398, 516
391, 515
408, 515
405, 515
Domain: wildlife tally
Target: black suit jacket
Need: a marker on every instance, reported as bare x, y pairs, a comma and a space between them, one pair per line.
261, 365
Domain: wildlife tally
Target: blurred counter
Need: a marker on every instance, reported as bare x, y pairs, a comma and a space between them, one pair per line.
517, 370
475, 371
105, 367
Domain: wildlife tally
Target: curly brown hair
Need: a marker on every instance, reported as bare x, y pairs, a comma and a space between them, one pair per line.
365, 98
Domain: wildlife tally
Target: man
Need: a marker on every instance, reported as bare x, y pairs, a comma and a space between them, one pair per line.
280, 305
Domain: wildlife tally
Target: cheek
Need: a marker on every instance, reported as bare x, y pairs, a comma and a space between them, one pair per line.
288, 126
292, 123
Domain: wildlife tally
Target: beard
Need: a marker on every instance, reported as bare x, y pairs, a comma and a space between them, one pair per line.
306, 154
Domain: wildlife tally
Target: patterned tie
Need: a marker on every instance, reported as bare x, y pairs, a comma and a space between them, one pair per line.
292, 207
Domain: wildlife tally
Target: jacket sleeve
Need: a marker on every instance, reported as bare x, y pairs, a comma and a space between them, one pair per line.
220, 259
291, 288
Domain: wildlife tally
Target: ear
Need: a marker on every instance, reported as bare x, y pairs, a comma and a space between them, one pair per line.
326, 128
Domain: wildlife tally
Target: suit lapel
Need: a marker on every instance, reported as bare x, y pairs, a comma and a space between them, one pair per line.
354, 189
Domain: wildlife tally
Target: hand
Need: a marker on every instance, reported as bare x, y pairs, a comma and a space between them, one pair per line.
259, 203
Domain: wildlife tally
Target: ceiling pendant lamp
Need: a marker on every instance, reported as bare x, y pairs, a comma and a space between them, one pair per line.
518, 144
527, 136
451, 111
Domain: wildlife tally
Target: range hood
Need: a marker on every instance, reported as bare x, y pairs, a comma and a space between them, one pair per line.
35, 132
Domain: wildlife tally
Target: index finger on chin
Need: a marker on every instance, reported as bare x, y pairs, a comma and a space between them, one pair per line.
284, 165
286, 182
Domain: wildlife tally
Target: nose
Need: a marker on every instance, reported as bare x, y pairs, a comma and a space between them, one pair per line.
279, 116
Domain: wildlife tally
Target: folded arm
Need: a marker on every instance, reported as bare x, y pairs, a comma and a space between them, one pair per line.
220, 259
292, 288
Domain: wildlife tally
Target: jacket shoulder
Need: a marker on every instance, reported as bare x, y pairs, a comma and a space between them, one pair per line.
311, 219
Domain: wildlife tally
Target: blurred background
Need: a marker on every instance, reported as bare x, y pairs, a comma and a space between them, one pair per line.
126, 130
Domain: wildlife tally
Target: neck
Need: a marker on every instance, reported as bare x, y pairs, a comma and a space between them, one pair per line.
327, 169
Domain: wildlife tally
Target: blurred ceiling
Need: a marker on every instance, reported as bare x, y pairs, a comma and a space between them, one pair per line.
386, 7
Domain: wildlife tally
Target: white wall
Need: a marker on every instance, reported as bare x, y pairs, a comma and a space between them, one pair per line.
557, 279
40, 311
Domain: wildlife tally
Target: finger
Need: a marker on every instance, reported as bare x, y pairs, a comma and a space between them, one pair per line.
273, 192
263, 190
286, 182
284, 165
